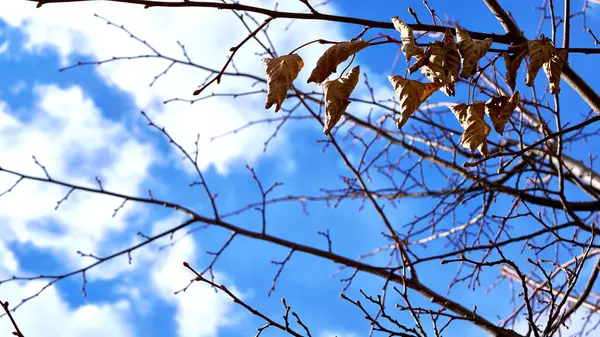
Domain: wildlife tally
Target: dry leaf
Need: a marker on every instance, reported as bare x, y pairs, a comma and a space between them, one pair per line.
421, 61
553, 69
433, 68
513, 62
452, 57
448, 89
500, 109
540, 52
411, 94
476, 129
451, 63
337, 93
471, 51
440, 63
409, 46
336, 54
281, 72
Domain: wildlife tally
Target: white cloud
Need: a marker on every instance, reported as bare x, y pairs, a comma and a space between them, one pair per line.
68, 134
18, 87
575, 324
4, 47
8, 262
52, 316
139, 300
207, 33
66, 119
200, 303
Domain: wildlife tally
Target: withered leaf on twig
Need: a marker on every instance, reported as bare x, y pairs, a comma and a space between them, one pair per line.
553, 69
500, 109
513, 62
451, 63
540, 52
411, 94
337, 93
475, 128
281, 72
409, 46
421, 61
440, 63
336, 54
432, 63
471, 51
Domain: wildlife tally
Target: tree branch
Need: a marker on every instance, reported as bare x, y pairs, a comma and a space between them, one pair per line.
568, 74
505, 39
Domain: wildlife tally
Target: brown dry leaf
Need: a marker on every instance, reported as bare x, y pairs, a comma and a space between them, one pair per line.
421, 61
553, 69
281, 72
513, 62
411, 94
336, 54
451, 63
500, 109
540, 52
409, 46
452, 57
433, 68
476, 129
448, 89
337, 93
471, 51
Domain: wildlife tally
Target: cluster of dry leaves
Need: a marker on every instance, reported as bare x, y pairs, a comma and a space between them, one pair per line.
442, 62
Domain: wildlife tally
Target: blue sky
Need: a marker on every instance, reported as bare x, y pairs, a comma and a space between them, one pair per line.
86, 122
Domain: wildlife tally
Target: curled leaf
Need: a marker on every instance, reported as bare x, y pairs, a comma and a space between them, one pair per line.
451, 63
540, 52
448, 89
409, 46
475, 128
451, 57
513, 62
337, 93
433, 68
421, 61
500, 109
336, 54
411, 94
471, 51
553, 69
281, 72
